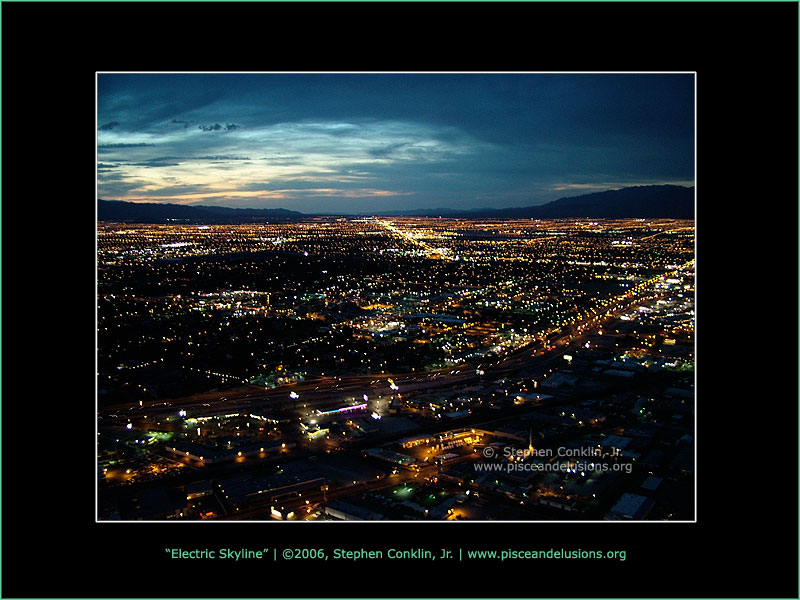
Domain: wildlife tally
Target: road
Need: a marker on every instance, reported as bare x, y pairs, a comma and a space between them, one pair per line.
333, 392
329, 392
310, 500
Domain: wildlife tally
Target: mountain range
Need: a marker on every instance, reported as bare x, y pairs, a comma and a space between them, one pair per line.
150, 212
646, 202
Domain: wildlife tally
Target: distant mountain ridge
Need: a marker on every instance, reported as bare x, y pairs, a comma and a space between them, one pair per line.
644, 202
151, 212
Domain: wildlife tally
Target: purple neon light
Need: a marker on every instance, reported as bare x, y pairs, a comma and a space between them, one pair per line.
345, 409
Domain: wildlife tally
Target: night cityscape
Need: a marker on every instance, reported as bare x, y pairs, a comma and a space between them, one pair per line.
387, 311
333, 348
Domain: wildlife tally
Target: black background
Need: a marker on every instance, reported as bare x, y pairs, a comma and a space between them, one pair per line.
745, 55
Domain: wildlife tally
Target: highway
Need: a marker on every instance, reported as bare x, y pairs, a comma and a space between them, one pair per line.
309, 501
329, 392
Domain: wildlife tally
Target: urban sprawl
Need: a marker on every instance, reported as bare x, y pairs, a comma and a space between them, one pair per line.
396, 368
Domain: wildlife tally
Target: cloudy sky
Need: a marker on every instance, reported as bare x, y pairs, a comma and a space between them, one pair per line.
348, 143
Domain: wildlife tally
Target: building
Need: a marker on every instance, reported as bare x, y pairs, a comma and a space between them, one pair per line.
630, 507
246, 489
209, 455
344, 511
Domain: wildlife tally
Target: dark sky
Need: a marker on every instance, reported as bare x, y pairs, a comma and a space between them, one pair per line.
360, 142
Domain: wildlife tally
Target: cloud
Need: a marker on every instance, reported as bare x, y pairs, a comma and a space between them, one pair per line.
454, 139
221, 157
111, 147
151, 164
386, 151
168, 192
206, 193
217, 127
587, 188
165, 158
117, 186
282, 160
